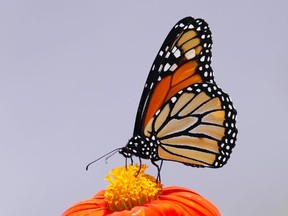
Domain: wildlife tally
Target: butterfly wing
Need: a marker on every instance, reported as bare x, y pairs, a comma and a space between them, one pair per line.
181, 106
196, 127
183, 59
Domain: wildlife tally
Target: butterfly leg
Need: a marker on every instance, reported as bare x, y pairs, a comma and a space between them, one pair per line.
158, 179
140, 165
126, 163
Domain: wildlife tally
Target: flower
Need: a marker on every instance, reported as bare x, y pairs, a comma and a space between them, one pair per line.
133, 193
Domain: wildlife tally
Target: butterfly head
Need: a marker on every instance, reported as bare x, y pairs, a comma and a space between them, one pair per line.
126, 152
132, 147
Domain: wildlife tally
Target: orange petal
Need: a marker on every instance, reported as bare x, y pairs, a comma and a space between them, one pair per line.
158, 207
120, 213
169, 208
201, 201
190, 199
175, 189
84, 208
94, 206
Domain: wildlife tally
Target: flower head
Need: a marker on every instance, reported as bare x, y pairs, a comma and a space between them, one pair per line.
131, 192
130, 187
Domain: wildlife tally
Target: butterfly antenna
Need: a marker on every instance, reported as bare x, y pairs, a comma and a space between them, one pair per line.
116, 150
111, 152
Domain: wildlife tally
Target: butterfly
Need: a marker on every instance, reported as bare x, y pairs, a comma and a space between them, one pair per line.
183, 115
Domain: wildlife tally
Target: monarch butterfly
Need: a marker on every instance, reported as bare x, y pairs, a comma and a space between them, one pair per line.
183, 115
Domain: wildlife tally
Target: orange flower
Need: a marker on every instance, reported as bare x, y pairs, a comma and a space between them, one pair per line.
138, 195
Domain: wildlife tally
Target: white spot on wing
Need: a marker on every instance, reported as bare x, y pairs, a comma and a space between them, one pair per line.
173, 67
173, 99
190, 26
167, 55
174, 49
190, 54
177, 53
167, 66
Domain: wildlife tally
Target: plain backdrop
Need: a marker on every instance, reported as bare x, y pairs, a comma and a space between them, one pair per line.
71, 76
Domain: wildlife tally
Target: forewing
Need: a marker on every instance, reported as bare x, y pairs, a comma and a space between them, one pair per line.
183, 59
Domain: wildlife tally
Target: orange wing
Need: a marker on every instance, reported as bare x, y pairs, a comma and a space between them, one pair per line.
183, 59
197, 127
183, 115
170, 85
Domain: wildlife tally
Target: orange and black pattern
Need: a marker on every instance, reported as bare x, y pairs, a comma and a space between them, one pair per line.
183, 115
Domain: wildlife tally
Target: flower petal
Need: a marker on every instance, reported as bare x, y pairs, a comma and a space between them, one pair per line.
190, 199
165, 208
83, 209
94, 206
201, 201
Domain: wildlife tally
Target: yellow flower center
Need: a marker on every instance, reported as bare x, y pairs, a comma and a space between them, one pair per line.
130, 187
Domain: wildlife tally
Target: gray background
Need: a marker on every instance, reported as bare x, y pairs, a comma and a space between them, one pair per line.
60, 107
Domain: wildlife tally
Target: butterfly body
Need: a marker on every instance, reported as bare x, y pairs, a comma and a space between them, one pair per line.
183, 115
